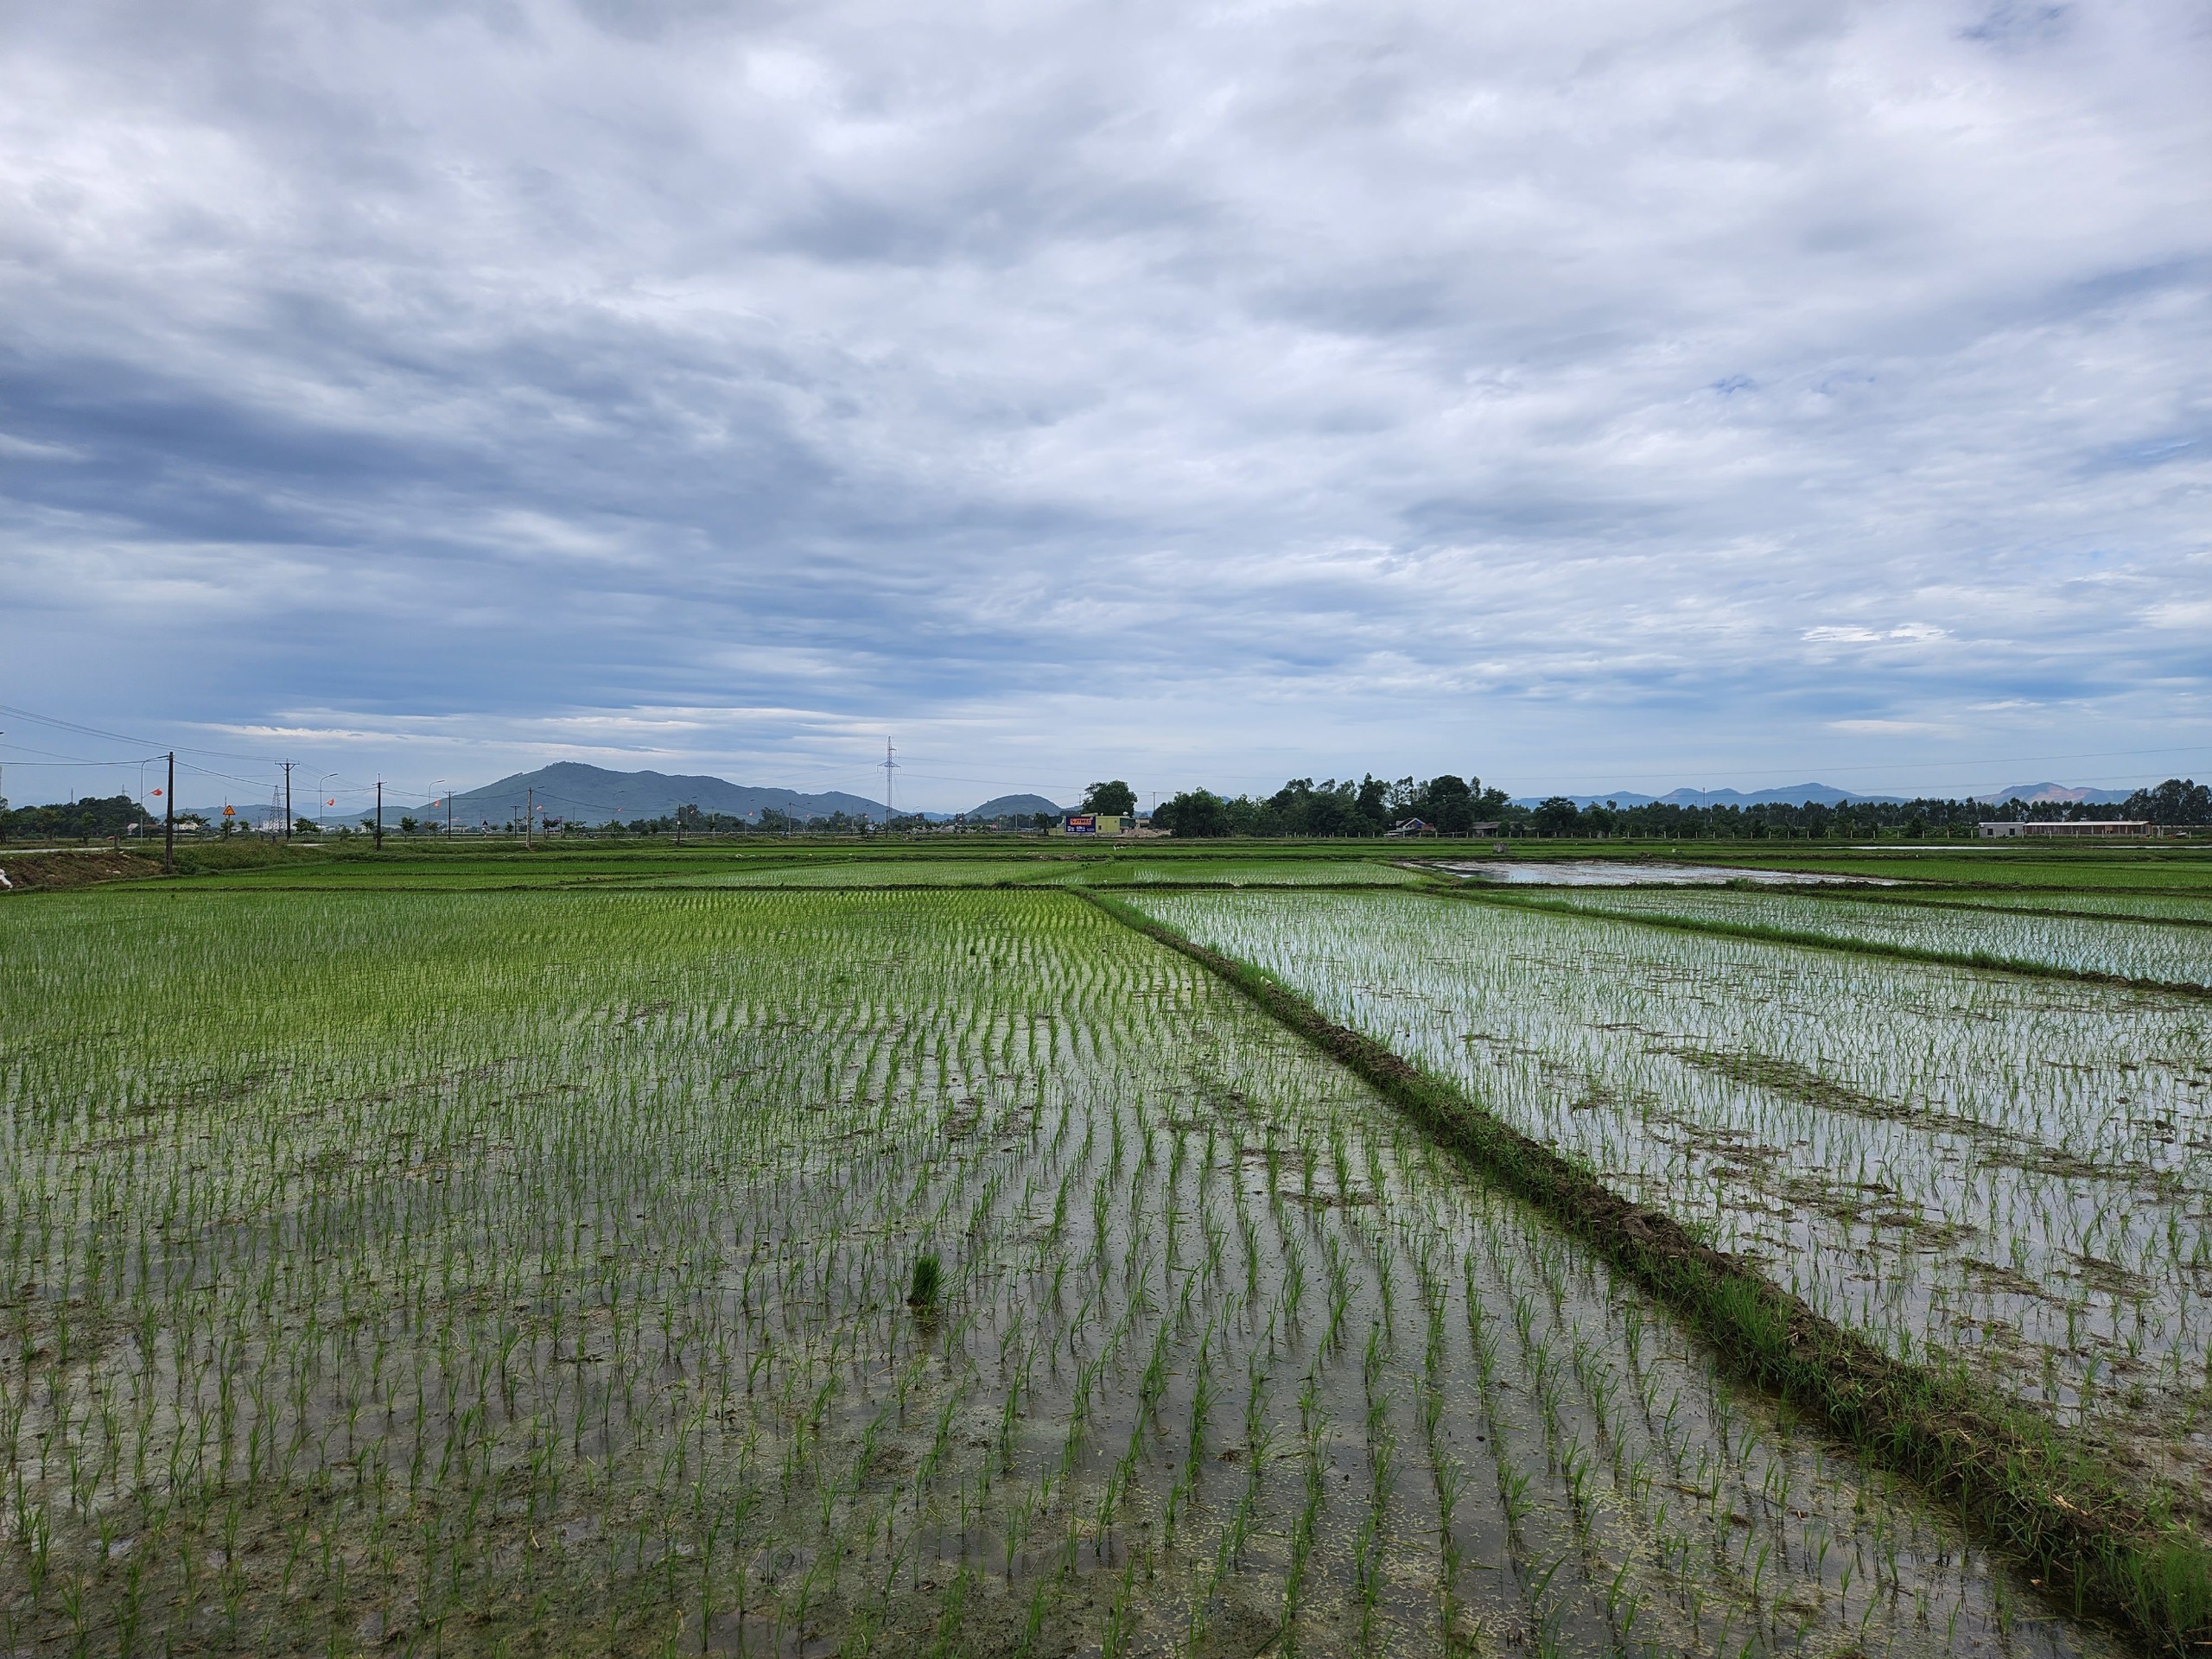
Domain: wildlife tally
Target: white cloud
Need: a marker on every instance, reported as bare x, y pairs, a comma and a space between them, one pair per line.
1889, 727
1411, 386
1917, 633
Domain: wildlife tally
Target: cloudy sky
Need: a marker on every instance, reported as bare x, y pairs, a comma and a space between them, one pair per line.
1585, 396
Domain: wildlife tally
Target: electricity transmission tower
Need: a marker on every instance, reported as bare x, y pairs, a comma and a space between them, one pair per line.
890, 765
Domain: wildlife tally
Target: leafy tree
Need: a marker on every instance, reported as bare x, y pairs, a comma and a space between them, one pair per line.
1115, 798
2176, 801
1373, 803
1557, 815
1193, 814
1448, 803
1301, 807
106, 814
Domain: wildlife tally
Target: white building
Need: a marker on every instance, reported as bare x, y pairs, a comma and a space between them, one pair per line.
2062, 826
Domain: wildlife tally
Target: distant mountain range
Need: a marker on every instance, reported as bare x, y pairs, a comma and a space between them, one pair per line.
1016, 806
2034, 793
583, 794
1827, 795
593, 795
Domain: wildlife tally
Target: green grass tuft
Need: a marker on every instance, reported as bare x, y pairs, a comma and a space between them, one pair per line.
927, 1283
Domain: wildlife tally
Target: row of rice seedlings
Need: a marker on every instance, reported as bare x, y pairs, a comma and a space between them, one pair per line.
2122, 947
2144, 906
2008, 1172
549, 1266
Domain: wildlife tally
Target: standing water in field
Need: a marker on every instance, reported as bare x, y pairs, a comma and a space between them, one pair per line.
551, 1271
2163, 953
2013, 1170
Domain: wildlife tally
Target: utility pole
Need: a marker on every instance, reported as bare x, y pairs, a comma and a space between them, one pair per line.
529, 818
448, 814
288, 800
379, 815
169, 821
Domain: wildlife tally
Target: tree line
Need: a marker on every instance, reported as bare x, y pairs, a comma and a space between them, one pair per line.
1450, 805
96, 816
1455, 806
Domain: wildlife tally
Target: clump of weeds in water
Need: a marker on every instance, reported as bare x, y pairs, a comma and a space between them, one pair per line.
924, 1286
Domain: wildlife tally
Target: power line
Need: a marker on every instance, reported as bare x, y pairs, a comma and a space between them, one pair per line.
52, 766
124, 737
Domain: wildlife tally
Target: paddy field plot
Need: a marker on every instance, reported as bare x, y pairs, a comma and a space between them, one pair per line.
2121, 945
1101, 869
830, 1272
2077, 869
353, 868
1626, 872
2013, 1172
826, 872
1234, 872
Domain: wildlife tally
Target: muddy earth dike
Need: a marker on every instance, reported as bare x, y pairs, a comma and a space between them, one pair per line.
2096, 1544
44, 871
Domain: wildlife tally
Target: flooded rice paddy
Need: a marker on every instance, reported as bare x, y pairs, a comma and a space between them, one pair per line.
1621, 873
2014, 1172
1257, 872
2120, 944
520, 1273
2148, 906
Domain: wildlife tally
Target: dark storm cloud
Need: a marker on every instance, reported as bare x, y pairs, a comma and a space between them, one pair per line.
1670, 385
